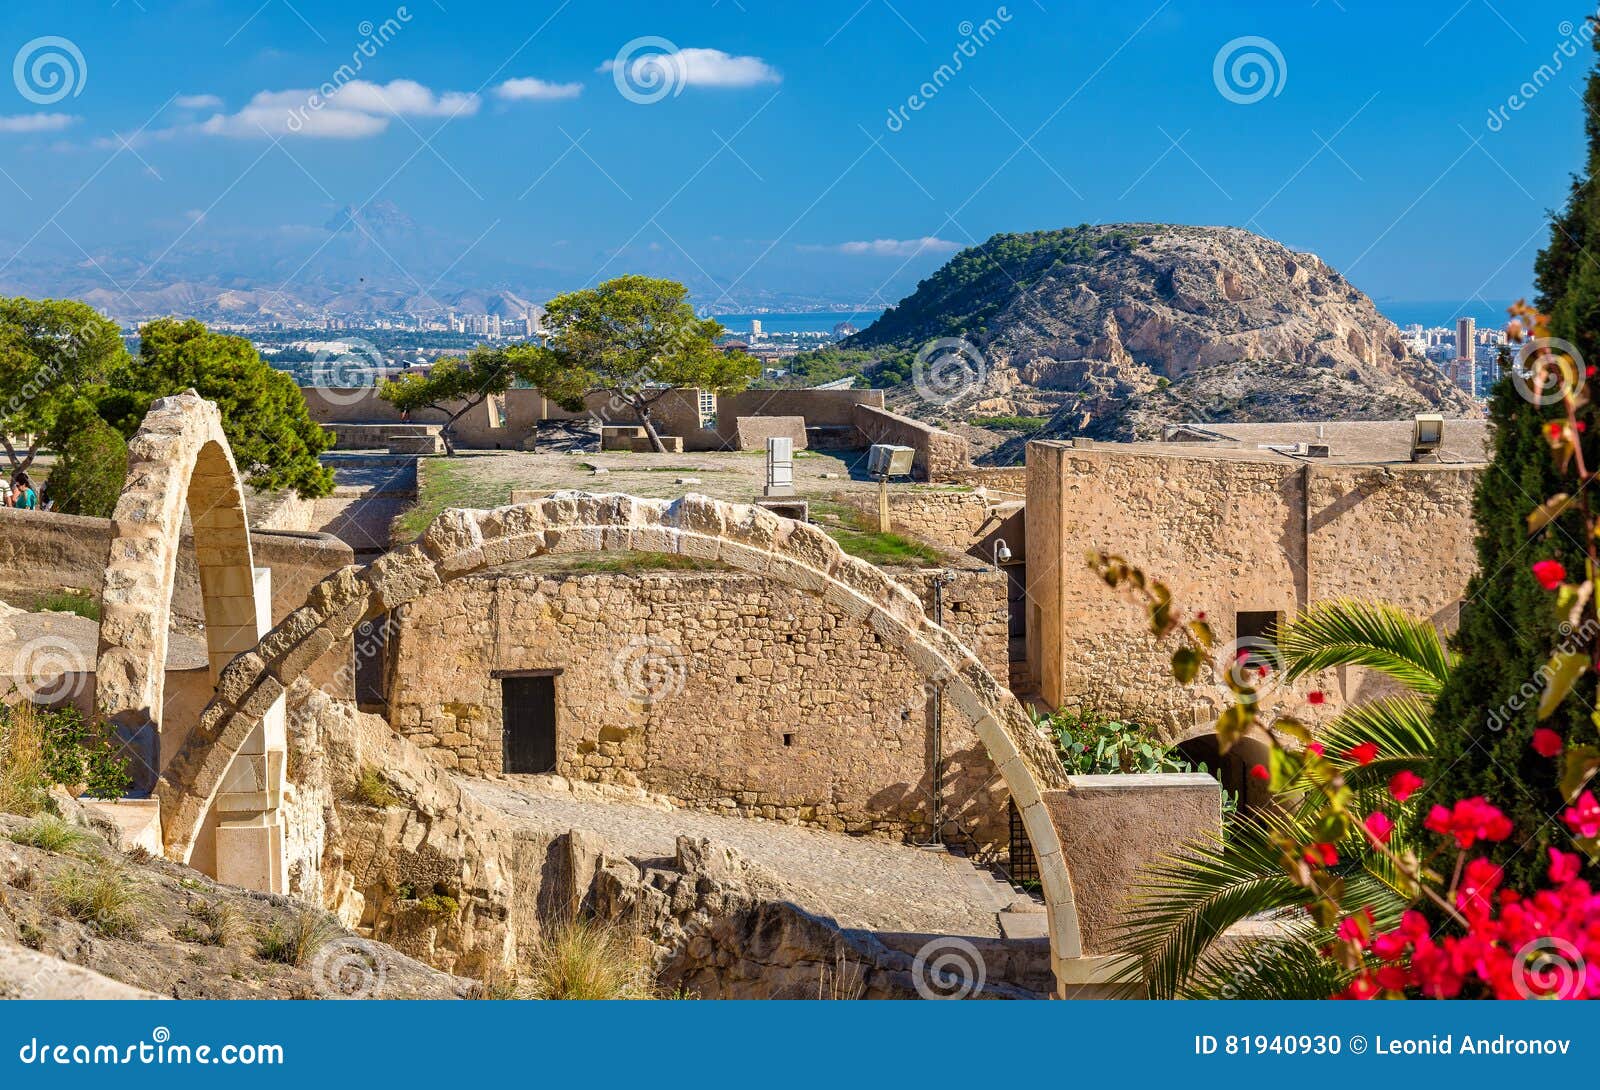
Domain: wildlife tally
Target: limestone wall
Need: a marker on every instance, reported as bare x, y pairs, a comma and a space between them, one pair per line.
720, 690
939, 453
1228, 535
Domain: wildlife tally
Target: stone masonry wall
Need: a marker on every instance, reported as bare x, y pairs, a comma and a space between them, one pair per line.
722, 691
1228, 535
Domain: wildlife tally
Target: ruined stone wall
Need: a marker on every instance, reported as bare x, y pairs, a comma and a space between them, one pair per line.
1228, 535
720, 690
939, 453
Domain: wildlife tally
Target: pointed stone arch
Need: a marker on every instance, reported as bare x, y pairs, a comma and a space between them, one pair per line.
461, 542
179, 462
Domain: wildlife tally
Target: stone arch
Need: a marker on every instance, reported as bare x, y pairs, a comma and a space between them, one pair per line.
460, 542
179, 461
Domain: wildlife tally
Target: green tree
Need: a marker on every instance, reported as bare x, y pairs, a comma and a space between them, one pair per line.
453, 386
1509, 623
635, 338
91, 462
275, 442
50, 349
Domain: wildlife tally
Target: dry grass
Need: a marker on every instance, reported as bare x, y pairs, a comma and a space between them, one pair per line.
586, 959
24, 788
103, 897
843, 980
296, 941
219, 923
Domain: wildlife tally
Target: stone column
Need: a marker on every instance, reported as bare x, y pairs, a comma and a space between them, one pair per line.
249, 826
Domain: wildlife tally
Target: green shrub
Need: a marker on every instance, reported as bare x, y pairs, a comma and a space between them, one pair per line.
79, 752
1092, 744
92, 464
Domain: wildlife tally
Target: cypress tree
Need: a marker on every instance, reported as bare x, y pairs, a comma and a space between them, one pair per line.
1510, 625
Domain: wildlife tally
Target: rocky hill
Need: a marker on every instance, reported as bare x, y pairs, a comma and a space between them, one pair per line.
1113, 331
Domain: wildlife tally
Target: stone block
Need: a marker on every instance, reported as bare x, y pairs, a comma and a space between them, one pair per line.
1113, 827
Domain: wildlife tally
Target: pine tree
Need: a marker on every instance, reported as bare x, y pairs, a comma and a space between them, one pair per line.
1510, 625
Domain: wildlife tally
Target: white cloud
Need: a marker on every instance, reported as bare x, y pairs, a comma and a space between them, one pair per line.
198, 102
356, 109
898, 247
698, 67
529, 89
36, 122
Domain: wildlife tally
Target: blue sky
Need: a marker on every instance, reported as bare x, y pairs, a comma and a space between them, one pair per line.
772, 164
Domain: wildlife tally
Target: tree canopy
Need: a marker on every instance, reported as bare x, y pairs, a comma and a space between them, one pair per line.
634, 337
275, 442
453, 386
50, 349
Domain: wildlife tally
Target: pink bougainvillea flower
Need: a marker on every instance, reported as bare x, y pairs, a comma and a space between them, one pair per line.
1404, 784
1322, 855
1316, 696
1470, 821
1550, 573
1563, 866
1364, 754
1259, 772
1379, 825
1546, 742
1583, 818
1315, 749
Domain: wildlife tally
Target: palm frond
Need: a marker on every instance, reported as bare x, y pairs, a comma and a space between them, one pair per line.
1350, 632
1185, 902
1286, 968
1400, 726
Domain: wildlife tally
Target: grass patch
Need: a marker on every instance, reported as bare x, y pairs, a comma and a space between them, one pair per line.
51, 834
218, 923
70, 601
851, 528
585, 959
24, 783
104, 898
374, 790
450, 482
297, 940
1024, 424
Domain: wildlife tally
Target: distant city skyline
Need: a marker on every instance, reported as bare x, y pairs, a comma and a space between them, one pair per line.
764, 154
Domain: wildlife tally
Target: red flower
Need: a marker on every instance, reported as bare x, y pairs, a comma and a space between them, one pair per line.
1314, 748
1364, 986
1259, 772
1584, 817
1472, 820
1356, 928
1563, 867
1379, 825
1316, 696
1364, 754
1323, 854
1554, 429
1546, 742
1404, 784
1550, 573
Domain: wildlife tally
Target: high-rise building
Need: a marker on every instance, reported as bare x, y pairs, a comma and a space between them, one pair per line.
755, 327
1466, 371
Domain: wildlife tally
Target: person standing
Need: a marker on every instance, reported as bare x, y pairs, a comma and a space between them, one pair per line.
22, 494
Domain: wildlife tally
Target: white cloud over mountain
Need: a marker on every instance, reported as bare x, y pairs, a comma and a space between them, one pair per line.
529, 89
898, 247
354, 110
